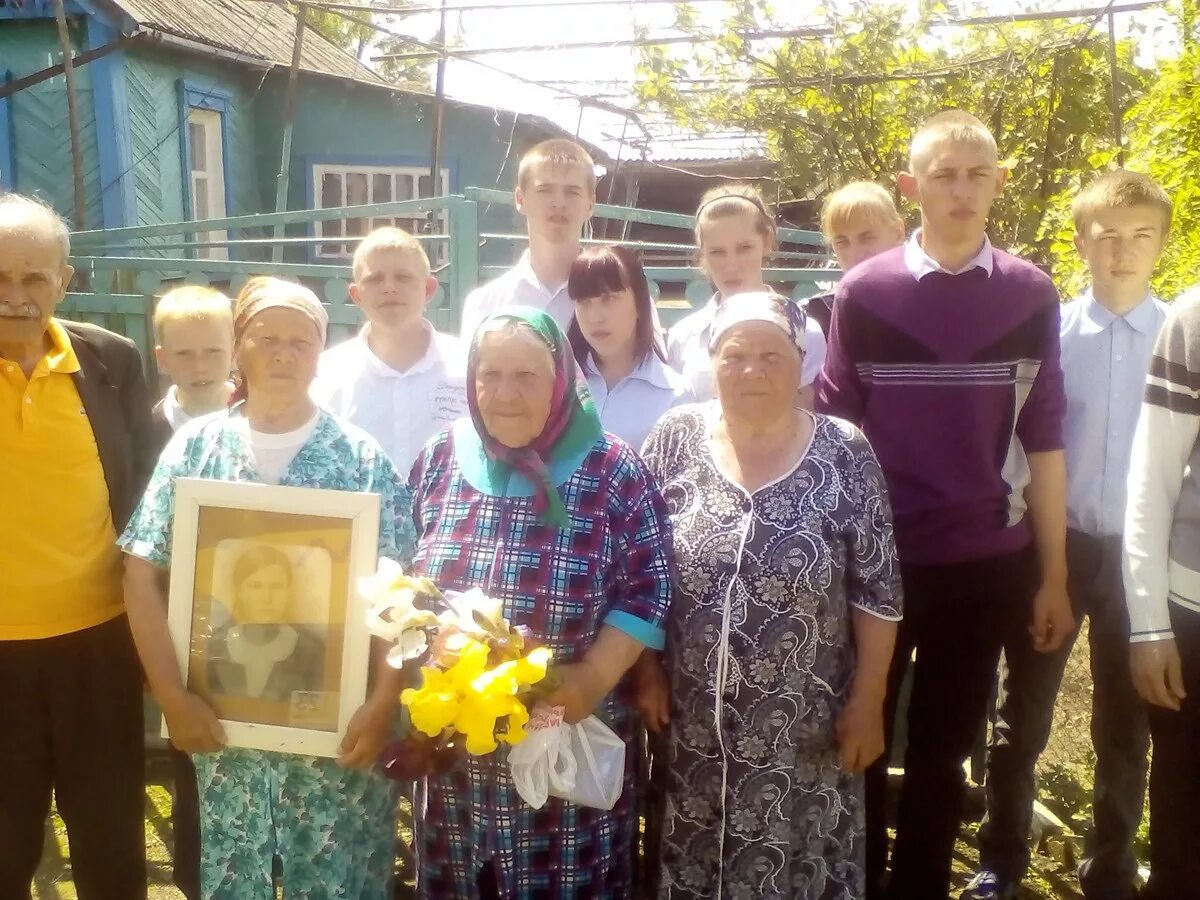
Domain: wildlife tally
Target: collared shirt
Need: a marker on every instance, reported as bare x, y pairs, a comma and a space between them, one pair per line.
687, 350
921, 263
60, 569
1105, 358
636, 402
401, 410
173, 411
519, 286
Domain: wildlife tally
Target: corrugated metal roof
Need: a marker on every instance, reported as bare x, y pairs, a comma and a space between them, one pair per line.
256, 30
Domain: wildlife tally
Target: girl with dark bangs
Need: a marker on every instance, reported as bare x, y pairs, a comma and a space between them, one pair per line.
615, 339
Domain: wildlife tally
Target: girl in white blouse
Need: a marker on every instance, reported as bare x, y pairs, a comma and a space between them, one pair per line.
615, 340
734, 235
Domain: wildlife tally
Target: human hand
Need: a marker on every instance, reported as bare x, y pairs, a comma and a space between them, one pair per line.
1157, 672
652, 692
859, 731
576, 691
366, 734
1052, 617
192, 724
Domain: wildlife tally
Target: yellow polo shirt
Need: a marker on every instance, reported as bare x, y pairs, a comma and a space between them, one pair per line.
60, 568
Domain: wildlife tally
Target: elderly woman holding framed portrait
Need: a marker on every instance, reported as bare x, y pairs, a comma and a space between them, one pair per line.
531, 502
780, 631
330, 822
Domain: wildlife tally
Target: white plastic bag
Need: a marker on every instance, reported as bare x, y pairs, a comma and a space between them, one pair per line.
582, 764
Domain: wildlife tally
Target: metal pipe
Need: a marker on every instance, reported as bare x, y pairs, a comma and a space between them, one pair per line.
68, 63
439, 109
289, 115
1113, 100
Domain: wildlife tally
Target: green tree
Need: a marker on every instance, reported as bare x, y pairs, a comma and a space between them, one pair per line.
358, 32
843, 104
1164, 143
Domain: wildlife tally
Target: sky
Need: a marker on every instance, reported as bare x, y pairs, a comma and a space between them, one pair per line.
558, 21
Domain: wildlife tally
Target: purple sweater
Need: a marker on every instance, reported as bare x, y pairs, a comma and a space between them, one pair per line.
954, 379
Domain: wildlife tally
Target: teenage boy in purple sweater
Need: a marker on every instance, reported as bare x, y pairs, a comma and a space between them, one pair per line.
945, 351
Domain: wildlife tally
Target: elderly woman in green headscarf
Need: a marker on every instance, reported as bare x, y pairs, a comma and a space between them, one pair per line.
530, 501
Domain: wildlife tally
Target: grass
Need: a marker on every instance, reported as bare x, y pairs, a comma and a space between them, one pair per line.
1065, 771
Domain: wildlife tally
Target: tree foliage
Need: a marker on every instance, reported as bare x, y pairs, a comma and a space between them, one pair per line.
1163, 130
842, 106
358, 32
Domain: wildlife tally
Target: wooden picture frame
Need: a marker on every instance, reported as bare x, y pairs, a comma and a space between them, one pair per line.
264, 612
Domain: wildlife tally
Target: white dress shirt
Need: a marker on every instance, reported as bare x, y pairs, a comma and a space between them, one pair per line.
687, 350
921, 263
519, 286
1105, 358
401, 410
635, 403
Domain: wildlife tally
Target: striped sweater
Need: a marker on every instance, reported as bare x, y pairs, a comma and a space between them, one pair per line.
955, 379
1162, 517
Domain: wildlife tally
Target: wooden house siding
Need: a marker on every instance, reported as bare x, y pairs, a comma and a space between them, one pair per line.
40, 144
156, 112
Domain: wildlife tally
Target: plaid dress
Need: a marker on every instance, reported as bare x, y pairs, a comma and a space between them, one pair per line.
612, 566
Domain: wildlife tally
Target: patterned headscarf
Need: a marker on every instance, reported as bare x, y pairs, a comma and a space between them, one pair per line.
572, 427
759, 306
263, 292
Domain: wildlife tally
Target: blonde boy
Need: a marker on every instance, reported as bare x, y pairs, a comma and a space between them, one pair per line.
556, 193
193, 327
194, 331
398, 379
859, 220
1107, 334
946, 352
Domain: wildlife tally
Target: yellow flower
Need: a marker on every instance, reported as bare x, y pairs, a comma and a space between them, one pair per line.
517, 720
433, 706
471, 698
471, 663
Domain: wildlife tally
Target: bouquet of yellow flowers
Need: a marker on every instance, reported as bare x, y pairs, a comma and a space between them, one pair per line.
477, 672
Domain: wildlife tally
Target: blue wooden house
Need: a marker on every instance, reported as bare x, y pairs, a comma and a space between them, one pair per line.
180, 105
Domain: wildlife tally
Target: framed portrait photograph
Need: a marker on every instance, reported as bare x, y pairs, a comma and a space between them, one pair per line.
264, 612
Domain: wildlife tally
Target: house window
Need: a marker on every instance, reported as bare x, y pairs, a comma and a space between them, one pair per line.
206, 163
354, 185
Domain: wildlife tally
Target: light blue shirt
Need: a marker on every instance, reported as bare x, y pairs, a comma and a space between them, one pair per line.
1104, 360
636, 402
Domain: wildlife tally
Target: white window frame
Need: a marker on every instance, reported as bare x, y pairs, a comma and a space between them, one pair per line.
208, 182
370, 175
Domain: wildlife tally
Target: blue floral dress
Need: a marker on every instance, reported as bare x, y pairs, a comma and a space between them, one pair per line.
612, 566
333, 828
761, 654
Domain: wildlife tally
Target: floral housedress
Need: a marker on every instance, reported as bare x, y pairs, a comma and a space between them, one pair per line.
333, 828
761, 654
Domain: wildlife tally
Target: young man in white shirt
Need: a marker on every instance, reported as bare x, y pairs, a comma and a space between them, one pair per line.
556, 193
398, 379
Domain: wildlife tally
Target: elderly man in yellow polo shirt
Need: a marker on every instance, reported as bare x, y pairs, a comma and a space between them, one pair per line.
75, 453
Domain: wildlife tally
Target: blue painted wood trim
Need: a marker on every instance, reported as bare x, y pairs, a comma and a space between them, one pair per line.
8, 159
353, 159
44, 9
110, 98
211, 97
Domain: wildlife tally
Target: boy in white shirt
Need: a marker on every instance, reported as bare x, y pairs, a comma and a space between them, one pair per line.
193, 326
398, 379
556, 193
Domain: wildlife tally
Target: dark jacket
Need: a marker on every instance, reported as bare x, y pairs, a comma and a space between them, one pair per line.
113, 390
160, 429
819, 308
